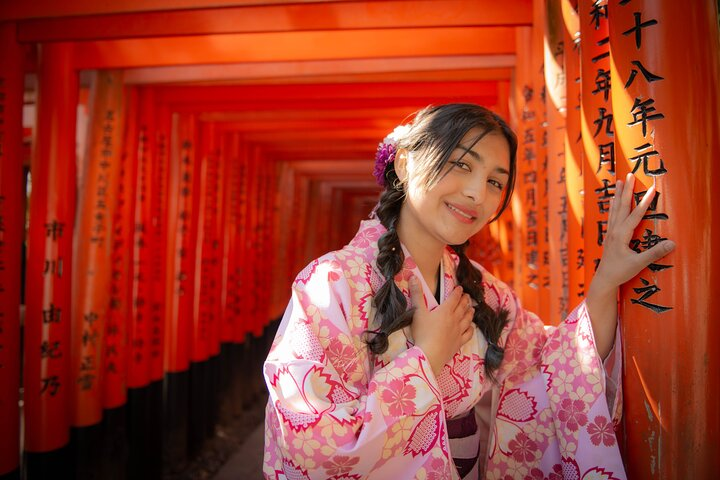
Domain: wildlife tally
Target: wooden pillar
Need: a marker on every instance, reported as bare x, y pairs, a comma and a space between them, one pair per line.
180, 284
12, 226
93, 247
573, 155
597, 128
556, 108
139, 192
540, 131
157, 123
665, 74
525, 206
52, 211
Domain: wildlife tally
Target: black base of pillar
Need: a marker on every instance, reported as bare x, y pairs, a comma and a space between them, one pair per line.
86, 449
175, 421
115, 446
11, 475
144, 425
54, 464
198, 406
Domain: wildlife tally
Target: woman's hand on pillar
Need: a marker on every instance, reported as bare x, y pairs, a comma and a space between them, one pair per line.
619, 262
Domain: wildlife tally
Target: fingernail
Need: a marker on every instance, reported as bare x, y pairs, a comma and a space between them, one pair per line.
669, 245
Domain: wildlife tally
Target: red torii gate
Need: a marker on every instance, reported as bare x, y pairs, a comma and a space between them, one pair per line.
270, 86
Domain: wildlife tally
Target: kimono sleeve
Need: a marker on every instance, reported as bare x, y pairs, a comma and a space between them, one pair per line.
329, 414
568, 348
557, 401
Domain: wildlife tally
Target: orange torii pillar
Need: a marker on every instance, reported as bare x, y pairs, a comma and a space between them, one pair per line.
144, 315
92, 267
47, 348
182, 226
555, 106
229, 302
525, 206
537, 64
665, 74
573, 155
12, 206
597, 130
205, 315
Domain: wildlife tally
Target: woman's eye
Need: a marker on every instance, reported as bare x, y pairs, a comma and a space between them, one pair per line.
463, 165
496, 184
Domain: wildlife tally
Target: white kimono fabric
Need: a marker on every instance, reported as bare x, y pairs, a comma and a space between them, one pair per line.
338, 412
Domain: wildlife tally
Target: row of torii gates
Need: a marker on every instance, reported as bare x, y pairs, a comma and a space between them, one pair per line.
167, 166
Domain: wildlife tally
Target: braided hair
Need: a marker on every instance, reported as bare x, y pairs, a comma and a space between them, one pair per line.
434, 133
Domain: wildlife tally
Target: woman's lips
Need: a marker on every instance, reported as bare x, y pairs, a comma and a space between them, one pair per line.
462, 214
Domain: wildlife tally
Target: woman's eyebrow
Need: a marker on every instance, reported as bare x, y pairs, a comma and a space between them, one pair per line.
477, 157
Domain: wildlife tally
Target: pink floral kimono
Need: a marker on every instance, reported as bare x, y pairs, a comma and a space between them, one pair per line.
338, 412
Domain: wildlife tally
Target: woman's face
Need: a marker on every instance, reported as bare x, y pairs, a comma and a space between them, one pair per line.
467, 195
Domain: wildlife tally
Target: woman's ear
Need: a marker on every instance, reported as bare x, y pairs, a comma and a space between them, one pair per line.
401, 160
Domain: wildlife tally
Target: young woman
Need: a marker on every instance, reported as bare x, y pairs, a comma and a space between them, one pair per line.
398, 357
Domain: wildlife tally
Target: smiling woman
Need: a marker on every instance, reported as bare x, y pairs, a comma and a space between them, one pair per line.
399, 357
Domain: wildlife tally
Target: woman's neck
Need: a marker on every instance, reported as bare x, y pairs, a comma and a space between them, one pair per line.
426, 253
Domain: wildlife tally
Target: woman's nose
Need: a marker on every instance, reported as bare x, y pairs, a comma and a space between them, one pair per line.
476, 188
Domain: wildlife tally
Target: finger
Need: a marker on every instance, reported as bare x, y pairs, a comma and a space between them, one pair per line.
655, 253
462, 304
626, 200
642, 207
467, 335
467, 317
614, 200
454, 299
416, 294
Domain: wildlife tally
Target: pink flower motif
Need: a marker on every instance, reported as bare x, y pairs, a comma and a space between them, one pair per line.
340, 354
557, 472
366, 237
523, 448
601, 430
438, 470
516, 348
572, 413
537, 474
340, 465
404, 275
399, 397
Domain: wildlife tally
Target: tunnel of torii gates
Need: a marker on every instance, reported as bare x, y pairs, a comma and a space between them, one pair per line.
168, 166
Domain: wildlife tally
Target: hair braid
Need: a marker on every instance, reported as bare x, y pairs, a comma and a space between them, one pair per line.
389, 301
490, 322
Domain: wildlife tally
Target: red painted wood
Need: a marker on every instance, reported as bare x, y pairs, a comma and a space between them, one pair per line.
525, 201
12, 206
573, 155
139, 183
665, 105
296, 45
47, 382
556, 108
182, 228
274, 18
597, 127
92, 261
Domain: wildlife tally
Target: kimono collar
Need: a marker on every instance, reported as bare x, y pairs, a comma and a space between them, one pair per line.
366, 242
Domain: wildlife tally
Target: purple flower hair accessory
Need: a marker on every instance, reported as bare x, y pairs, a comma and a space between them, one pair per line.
386, 152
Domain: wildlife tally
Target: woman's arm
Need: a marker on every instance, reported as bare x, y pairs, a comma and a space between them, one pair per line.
619, 263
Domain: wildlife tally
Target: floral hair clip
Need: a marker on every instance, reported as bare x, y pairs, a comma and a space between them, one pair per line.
386, 152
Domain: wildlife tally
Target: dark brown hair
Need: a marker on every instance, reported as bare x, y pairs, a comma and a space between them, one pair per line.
434, 133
